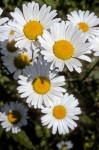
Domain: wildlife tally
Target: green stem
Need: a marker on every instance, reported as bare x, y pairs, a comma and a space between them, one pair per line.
89, 71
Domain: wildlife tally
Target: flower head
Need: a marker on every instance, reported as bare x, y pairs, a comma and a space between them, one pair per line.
64, 45
13, 116
18, 61
30, 23
8, 48
39, 85
61, 115
64, 145
86, 21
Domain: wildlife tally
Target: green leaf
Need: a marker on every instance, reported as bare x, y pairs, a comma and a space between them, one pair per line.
23, 139
51, 3
95, 74
39, 131
86, 120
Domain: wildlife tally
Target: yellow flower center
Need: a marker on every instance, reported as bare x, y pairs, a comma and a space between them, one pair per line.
59, 112
11, 32
83, 26
11, 46
63, 49
14, 117
33, 29
64, 148
21, 61
41, 85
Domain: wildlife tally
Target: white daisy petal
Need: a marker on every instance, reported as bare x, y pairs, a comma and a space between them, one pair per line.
95, 44
4, 30
85, 58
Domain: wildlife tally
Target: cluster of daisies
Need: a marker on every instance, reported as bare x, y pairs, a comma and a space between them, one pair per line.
35, 47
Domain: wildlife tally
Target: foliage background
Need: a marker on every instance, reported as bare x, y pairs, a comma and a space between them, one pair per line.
84, 86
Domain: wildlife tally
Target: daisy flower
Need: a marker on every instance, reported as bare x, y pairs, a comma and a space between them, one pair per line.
30, 23
13, 116
61, 115
64, 145
3, 28
86, 21
8, 48
39, 85
63, 45
95, 44
18, 61
11, 33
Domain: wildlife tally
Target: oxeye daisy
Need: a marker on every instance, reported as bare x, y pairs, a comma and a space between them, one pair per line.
63, 45
8, 48
3, 28
86, 21
18, 61
61, 115
40, 86
95, 44
11, 33
65, 145
30, 23
13, 116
